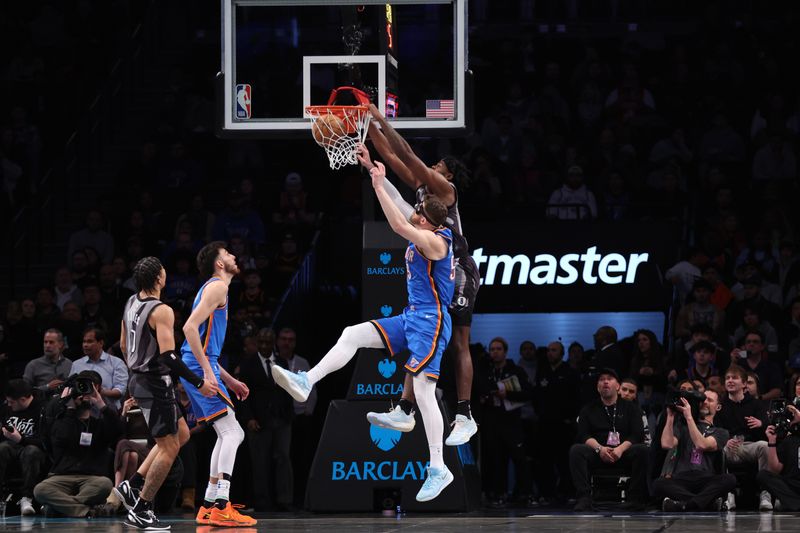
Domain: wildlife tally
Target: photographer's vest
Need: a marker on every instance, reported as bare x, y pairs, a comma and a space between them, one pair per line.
141, 342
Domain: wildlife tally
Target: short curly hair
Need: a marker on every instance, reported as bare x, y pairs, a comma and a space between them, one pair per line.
207, 256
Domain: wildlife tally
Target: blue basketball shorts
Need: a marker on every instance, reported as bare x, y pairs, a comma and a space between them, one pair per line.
207, 410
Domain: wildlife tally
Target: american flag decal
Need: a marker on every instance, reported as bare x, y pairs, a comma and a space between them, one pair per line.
439, 109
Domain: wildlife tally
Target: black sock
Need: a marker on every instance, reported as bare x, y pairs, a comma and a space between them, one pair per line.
226, 477
406, 406
208, 504
136, 480
220, 503
142, 505
462, 408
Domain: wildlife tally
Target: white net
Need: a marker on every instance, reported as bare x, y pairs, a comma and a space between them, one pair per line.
338, 129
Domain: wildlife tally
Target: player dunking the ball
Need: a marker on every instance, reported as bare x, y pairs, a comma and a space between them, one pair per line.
205, 333
148, 342
437, 180
423, 328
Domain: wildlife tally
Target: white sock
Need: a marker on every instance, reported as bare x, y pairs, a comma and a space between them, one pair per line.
425, 393
362, 335
223, 489
211, 492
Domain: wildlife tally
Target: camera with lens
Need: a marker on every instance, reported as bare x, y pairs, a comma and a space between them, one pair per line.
78, 385
781, 417
693, 397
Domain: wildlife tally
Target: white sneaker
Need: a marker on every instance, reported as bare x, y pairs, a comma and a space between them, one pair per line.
463, 430
731, 503
395, 419
765, 503
26, 507
295, 383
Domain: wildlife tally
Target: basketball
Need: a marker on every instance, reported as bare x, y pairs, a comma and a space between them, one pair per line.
327, 129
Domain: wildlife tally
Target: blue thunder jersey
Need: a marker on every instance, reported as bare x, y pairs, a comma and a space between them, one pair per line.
212, 331
430, 283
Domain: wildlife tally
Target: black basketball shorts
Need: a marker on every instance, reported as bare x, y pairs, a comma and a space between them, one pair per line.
155, 396
468, 280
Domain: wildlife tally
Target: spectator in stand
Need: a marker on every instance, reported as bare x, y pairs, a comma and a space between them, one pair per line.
752, 385
21, 443
79, 268
268, 413
722, 143
790, 334
616, 199
286, 262
717, 384
113, 371
691, 481
47, 312
629, 390
94, 236
699, 311
77, 485
721, 295
751, 321
752, 355
183, 243
201, 219
576, 357
182, 280
759, 252
555, 400
94, 312
573, 201
753, 299
775, 161
112, 294
649, 372
749, 273
703, 363
672, 148
65, 289
49, 371
610, 433
71, 324
684, 273
293, 208
745, 419
607, 353
237, 220
252, 294
504, 389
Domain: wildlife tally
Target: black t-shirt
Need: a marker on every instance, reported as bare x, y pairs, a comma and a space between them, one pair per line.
26, 423
690, 459
789, 455
598, 420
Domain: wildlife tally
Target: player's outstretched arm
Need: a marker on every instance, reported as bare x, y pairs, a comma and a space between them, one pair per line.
366, 161
213, 296
433, 246
381, 144
422, 173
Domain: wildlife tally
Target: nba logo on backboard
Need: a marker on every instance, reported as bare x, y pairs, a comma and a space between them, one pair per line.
243, 100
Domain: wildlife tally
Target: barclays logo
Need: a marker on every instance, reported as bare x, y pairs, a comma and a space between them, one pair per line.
385, 270
385, 439
386, 310
387, 368
385, 258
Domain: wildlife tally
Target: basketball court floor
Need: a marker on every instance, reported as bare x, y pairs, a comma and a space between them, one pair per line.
488, 522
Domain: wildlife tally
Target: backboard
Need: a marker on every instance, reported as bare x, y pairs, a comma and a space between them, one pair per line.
279, 56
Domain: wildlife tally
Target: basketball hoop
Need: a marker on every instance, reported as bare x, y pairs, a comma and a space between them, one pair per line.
339, 128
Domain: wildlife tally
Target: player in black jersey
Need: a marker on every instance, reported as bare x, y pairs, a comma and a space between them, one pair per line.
148, 342
436, 179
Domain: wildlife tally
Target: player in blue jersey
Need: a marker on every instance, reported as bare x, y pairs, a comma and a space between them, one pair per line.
423, 328
205, 333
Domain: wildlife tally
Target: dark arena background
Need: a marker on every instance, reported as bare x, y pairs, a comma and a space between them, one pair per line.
629, 197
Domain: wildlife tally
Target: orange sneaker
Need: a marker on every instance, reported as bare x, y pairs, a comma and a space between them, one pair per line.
229, 517
203, 515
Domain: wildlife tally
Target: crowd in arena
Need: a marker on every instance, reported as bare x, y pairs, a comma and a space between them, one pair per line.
700, 130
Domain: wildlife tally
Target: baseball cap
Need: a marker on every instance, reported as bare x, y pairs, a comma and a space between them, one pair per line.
608, 372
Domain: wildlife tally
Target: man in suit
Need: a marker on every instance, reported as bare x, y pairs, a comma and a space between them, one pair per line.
268, 413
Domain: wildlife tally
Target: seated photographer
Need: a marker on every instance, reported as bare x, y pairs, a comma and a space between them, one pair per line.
782, 476
21, 442
745, 419
77, 484
689, 481
610, 435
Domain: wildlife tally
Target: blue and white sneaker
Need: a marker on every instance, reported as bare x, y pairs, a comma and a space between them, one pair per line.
463, 430
395, 419
296, 384
434, 484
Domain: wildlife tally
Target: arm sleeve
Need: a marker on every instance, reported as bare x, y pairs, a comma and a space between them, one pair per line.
405, 208
177, 366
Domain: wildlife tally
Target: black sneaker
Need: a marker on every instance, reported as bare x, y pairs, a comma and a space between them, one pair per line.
127, 494
145, 520
672, 506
